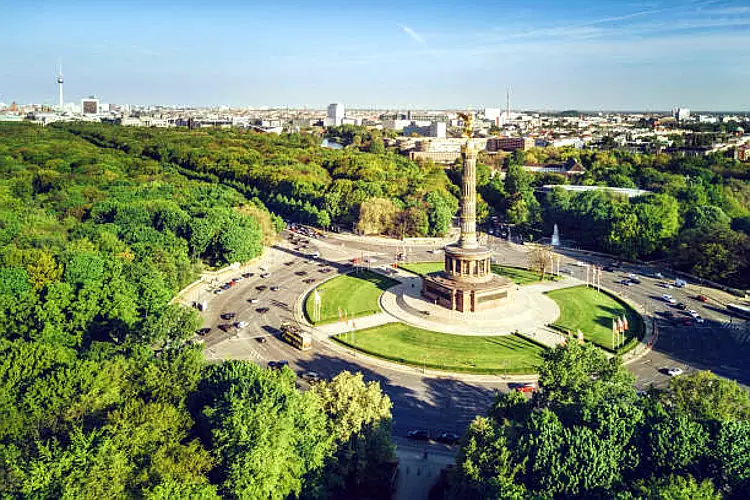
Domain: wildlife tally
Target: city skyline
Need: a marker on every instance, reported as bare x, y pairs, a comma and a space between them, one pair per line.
623, 56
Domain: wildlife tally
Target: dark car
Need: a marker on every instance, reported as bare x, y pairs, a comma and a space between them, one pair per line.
309, 280
448, 438
274, 289
702, 298
301, 273
228, 315
289, 263
204, 331
261, 339
637, 281
609, 269
224, 327
278, 364
418, 435
260, 288
248, 275
681, 306
262, 310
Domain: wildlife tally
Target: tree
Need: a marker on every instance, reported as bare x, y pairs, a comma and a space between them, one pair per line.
359, 421
441, 208
703, 396
676, 487
540, 260
376, 216
706, 217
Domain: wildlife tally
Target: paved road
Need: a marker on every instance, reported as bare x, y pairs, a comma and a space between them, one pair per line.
443, 403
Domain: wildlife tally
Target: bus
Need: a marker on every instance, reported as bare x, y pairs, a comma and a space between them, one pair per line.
741, 311
296, 336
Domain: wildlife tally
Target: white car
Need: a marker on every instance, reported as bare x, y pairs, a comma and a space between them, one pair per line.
668, 286
581, 264
242, 324
253, 301
668, 298
673, 372
698, 319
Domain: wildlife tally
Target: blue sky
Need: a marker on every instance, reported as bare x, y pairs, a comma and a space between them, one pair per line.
613, 55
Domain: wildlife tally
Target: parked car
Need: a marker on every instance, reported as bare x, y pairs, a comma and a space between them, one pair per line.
224, 327
526, 387
262, 339
635, 281
448, 438
241, 324
218, 291
274, 288
668, 298
659, 276
673, 372
701, 298
262, 310
626, 282
204, 331
253, 301
608, 269
238, 279
311, 377
301, 273
668, 286
265, 275
309, 280
260, 288
228, 315
278, 365
418, 435
681, 306
247, 275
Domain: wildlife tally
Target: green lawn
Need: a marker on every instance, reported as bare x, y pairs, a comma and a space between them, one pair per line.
592, 312
518, 275
414, 346
356, 293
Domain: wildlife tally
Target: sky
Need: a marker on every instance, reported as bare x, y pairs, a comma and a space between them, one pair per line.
553, 55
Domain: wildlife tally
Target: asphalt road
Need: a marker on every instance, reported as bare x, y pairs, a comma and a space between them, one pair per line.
443, 403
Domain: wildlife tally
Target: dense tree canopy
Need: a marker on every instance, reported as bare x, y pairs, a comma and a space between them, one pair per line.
587, 434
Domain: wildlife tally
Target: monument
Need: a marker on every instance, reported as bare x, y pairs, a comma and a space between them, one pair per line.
467, 283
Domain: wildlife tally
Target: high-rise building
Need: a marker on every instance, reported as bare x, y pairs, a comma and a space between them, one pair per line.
681, 114
60, 87
90, 106
335, 115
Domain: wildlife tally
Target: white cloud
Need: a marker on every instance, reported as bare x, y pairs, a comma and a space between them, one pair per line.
414, 35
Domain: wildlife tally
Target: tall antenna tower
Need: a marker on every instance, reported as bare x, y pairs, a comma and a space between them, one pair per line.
59, 84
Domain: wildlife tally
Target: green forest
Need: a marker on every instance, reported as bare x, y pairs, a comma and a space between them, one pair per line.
588, 433
103, 394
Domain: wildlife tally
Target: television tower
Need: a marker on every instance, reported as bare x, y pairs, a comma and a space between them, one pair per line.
60, 85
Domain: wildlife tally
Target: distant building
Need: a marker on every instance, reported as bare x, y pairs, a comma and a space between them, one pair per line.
630, 193
681, 114
743, 153
421, 116
569, 169
90, 106
434, 129
336, 114
495, 144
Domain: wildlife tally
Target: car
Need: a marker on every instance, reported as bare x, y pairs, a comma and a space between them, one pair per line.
526, 387
311, 377
668, 298
262, 339
608, 269
580, 263
701, 298
659, 276
204, 331
218, 291
673, 372
635, 281
247, 275
698, 319
253, 301
226, 286
418, 435
315, 255
632, 276
289, 263
309, 280
449, 438
274, 288
231, 284
301, 273
625, 282
238, 279
668, 314
228, 315
241, 324
265, 275
681, 306
262, 310
224, 327
668, 286
260, 288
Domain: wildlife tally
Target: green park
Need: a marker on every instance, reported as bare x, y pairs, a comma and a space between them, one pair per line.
355, 294
592, 312
511, 354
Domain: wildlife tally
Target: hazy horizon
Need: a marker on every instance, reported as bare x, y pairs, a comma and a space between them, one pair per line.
623, 56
